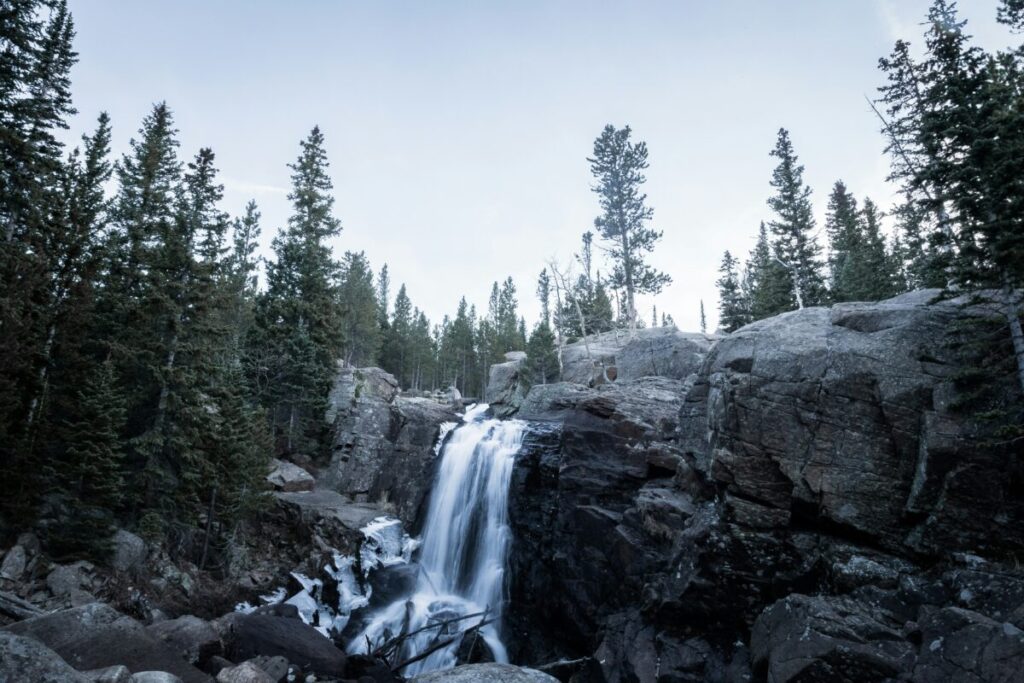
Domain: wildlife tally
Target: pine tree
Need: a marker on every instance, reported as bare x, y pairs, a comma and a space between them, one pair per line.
91, 470
299, 332
793, 243
541, 356
945, 115
703, 319
35, 64
398, 342
359, 311
733, 308
874, 274
766, 285
544, 296
618, 165
458, 352
843, 227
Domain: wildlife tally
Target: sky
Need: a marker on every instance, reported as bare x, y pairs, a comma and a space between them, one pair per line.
458, 132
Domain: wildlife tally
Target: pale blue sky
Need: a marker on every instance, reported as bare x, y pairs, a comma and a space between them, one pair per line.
458, 131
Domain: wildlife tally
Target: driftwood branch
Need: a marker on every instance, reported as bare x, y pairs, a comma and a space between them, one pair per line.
16, 608
441, 645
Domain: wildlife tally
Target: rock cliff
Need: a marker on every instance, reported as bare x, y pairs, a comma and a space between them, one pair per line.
809, 503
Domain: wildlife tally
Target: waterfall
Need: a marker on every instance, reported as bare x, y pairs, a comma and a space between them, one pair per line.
464, 550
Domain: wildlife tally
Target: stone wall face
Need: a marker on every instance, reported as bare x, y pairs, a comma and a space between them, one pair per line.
810, 505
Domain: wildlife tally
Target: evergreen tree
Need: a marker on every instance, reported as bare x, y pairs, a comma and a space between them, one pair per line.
703, 319
874, 272
945, 116
733, 308
242, 273
766, 284
359, 311
843, 227
618, 165
398, 342
544, 296
298, 320
541, 356
793, 242
90, 473
458, 352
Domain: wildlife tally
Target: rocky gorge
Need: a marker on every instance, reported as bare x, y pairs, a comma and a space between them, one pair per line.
802, 500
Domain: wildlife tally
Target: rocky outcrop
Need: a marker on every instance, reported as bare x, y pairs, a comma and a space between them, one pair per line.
96, 636
26, 659
505, 386
810, 504
383, 446
252, 635
653, 351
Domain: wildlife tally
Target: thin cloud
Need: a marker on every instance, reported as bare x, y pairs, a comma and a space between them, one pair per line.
252, 188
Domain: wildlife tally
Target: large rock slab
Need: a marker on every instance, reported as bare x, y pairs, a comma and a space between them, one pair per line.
846, 416
652, 352
804, 638
505, 388
289, 477
662, 352
96, 636
252, 635
486, 673
383, 446
193, 638
26, 659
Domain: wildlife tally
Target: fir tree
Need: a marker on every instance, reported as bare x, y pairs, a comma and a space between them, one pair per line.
842, 224
766, 285
703, 319
541, 356
618, 165
359, 311
793, 242
732, 305
90, 472
544, 296
298, 320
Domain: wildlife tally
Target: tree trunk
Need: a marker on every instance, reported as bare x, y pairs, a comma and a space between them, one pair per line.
1010, 310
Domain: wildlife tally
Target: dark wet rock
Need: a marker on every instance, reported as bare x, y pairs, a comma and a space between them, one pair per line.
251, 635
805, 638
96, 636
485, 673
962, 645
275, 667
26, 659
383, 446
190, 636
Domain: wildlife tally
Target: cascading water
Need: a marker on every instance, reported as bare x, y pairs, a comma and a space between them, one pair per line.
465, 546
